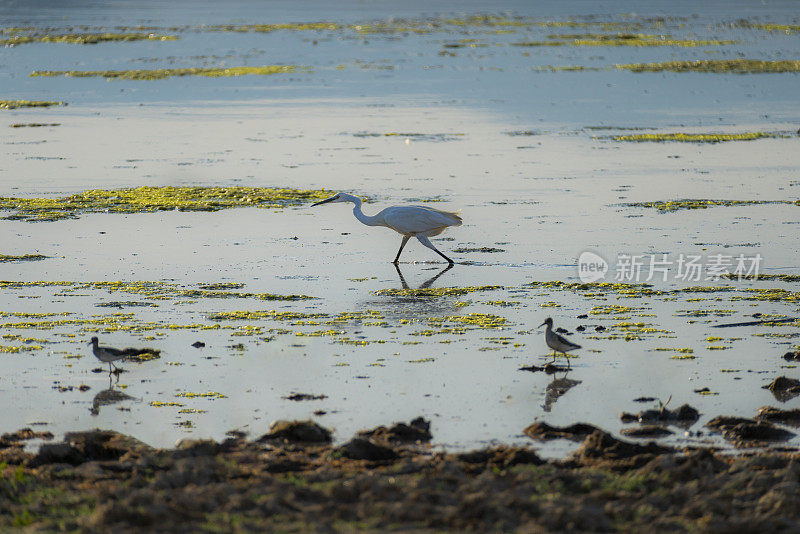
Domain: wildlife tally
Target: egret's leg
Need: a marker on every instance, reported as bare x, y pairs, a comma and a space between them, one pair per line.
427, 242
402, 244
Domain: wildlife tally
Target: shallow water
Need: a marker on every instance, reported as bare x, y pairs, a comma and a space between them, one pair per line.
515, 149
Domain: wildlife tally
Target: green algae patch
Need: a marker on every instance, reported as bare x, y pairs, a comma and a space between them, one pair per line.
621, 39
478, 249
433, 292
599, 289
566, 68
153, 199
85, 38
417, 26
269, 28
160, 74
206, 395
788, 29
15, 104
150, 290
764, 277
33, 124
697, 138
665, 206
263, 314
723, 66
24, 257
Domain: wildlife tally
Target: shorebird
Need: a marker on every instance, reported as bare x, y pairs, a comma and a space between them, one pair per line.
421, 222
110, 354
556, 342
107, 354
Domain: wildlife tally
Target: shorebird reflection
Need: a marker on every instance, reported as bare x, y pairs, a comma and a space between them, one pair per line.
556, 389
107, 397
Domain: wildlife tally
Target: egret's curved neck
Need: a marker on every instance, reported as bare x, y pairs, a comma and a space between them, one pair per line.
366, 219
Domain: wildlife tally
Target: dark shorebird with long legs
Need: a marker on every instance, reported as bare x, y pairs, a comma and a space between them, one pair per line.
557, 342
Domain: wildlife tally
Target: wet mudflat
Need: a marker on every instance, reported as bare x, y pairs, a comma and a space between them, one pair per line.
292, 479
156, 192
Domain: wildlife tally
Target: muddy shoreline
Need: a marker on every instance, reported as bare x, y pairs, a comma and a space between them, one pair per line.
293, 479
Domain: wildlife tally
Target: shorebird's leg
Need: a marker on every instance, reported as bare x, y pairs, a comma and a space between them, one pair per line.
427, 242
554, 357
402, 244
568, 362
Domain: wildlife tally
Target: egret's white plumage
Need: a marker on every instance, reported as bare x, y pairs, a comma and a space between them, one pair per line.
421, 222
557, 342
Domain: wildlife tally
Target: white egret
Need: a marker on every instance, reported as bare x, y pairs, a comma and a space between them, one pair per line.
421, 222
556, 342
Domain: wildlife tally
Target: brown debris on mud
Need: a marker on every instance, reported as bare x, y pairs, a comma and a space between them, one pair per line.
106, 481
784, 388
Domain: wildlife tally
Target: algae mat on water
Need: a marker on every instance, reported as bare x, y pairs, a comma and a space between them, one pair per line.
84, 38
698, 138
665, 206
160, 74
151, 199
621, 39
723, 66
14, 104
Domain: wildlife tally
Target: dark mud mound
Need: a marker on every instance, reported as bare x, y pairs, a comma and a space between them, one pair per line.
685, 415
297, 431
743, 432
602, 446
117, 484
542, 431
784, 389
416, 431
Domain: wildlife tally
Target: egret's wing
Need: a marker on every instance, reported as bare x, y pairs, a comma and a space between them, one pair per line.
418, 219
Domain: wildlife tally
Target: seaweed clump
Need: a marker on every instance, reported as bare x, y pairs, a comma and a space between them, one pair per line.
160, 74
151, 199
665, 206
724, 66
14, 104
621, 39
24, 257
697, 138
85, 38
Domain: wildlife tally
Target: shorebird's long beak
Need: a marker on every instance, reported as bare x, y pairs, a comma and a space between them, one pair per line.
544, 323
324, 201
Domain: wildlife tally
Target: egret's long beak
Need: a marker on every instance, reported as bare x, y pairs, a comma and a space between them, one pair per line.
323, 201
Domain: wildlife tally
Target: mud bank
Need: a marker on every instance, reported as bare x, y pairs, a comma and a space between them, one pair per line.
293, 479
